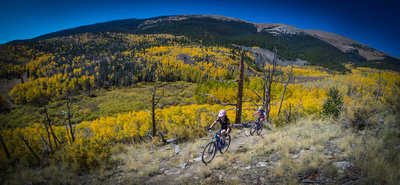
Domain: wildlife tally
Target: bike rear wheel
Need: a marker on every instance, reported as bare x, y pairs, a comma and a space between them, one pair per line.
227, 143
209, 152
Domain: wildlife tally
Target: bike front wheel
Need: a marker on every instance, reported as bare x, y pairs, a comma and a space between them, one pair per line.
209, 152
227, 143
253, 129
259, 129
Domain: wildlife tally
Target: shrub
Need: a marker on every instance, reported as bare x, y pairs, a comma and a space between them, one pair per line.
333, 105
359, 111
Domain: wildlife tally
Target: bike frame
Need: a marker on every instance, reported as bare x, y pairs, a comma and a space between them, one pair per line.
217, 141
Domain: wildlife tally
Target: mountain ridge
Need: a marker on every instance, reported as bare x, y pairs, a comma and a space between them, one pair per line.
222, 29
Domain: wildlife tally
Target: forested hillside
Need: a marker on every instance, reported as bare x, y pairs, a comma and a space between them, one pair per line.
212, 30
98, 105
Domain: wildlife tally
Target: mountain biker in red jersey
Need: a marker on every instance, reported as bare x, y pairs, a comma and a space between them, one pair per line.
261, 115
225, 124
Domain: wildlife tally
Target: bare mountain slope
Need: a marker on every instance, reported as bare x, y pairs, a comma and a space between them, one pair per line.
347, 45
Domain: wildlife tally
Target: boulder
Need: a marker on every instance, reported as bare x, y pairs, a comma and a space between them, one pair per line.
343, 166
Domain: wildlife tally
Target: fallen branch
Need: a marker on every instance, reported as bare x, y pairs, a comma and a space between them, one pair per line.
307, 174
342, 181
309, 181
215, 99
233, 81
241, 125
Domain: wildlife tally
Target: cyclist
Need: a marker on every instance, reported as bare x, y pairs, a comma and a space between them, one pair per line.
225, 124
261, 115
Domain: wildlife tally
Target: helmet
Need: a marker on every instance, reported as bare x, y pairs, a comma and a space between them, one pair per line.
260, 108
222, 113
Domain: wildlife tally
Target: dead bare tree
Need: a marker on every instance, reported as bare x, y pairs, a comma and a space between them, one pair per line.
268, 78
240, 90
239, 101
29, 147
68, 99
41, 101
155, 102
284, 90
3, 144
67, 131
379, 86
55, 139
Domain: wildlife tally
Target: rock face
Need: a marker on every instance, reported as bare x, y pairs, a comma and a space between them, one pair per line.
153, 21
285, 29
262, 55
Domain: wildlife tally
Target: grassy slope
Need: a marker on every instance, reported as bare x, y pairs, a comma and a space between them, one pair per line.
105, 103
310, 146
307, 150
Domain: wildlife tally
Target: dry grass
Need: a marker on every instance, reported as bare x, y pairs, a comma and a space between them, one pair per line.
219, 162
52, 174
314, 142
204, 171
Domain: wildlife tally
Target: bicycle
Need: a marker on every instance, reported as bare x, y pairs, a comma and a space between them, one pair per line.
211, 148
257, 127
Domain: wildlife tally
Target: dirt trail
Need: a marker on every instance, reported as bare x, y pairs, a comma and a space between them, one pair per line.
188, 169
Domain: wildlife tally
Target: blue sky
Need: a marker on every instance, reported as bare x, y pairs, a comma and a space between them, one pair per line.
375, 23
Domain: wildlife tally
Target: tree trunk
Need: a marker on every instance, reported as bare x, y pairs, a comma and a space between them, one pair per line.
48, 137
269, 79
284, 90
51, 128
240, 90
379, 86
29, 147
153, 113
67, 131
4, 147
69, 119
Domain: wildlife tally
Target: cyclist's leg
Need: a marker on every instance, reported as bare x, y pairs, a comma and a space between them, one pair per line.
261, 121
258, 122
223, 132
219, 133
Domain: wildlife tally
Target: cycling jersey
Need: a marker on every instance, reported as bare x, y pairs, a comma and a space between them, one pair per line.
224, 124
261, 114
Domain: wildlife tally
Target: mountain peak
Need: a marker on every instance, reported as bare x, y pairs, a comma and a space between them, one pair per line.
184, 17
313, 45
